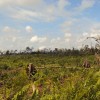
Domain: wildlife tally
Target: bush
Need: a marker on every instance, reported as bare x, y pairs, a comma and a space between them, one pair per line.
20, 65
4, 66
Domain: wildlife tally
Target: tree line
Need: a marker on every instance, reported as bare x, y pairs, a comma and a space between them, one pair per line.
86, 50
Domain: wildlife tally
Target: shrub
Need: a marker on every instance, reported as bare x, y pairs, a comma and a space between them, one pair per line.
4, 66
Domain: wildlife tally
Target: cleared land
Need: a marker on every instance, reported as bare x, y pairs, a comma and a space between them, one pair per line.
57, 78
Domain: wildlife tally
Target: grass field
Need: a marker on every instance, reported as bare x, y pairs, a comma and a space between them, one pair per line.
57, 78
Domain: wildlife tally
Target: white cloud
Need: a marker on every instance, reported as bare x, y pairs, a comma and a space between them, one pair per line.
10, 38
31, 15
9, 34
13, 39
8, 29
35, 10
94, 35
62, 4
34, 39
38, 39
10, 3
56, 40
94, 31
41, 10
85, 4
85, 34
67, 39
29, 29
24, 14
42, 47
28, 10
66, 24
80, 40
68, 35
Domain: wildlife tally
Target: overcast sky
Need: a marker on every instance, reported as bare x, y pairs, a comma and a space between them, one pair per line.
48, 23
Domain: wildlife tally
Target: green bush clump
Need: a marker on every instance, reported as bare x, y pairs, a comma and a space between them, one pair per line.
4, 66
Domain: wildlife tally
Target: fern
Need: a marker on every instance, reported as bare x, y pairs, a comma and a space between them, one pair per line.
19, 95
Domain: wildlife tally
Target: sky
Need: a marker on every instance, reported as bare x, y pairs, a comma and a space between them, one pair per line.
48, 23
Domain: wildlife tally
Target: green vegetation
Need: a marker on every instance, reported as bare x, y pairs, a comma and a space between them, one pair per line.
58, 78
